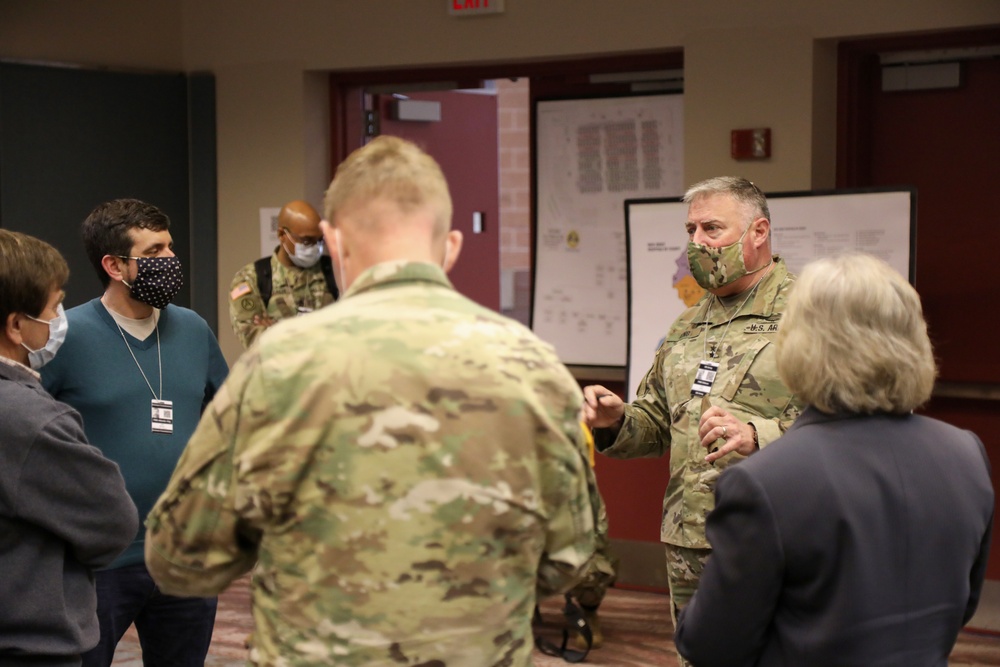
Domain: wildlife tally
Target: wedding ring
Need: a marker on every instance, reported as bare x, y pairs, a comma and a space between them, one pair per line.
723, 431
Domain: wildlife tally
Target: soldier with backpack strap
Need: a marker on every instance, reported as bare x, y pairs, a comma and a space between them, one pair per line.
296, 279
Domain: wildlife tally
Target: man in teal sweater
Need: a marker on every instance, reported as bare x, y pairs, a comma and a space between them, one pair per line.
139, 371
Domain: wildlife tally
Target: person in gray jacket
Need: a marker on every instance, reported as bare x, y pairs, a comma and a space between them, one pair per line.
64, 510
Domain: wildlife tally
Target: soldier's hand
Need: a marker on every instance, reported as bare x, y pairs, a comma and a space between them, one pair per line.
721, 433
601, 407
262, 321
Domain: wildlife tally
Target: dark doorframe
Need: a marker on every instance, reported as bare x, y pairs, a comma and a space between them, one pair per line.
858, 72
568, 77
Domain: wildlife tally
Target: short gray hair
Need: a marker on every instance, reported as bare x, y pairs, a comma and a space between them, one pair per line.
853, 338
740, 189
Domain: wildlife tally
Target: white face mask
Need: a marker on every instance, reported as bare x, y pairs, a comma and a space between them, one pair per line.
304, 255
58, 326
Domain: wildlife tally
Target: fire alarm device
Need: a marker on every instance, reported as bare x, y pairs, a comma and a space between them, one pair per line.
751, 144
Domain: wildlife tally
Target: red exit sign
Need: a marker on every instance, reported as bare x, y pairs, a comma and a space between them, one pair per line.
472, 7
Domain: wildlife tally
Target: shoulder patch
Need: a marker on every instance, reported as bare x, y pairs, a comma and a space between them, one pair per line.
240, 290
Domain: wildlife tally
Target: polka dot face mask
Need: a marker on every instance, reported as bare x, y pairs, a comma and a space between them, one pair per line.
157, 280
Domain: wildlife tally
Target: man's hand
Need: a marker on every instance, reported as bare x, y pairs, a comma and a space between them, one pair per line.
262, 321
718, 425
601, 407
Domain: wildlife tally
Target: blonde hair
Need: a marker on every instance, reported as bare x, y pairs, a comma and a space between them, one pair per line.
396, 170
853, 338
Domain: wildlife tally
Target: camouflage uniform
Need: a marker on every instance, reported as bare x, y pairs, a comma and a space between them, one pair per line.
603, 571
294, 291
407, 469
664, 417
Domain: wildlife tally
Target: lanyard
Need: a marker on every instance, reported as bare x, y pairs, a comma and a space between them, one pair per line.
158, 360
708, 317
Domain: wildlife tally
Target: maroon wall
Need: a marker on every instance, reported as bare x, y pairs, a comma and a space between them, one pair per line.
464, 143
947, 144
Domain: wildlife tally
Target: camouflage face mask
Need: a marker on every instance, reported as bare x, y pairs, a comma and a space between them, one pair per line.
717, 267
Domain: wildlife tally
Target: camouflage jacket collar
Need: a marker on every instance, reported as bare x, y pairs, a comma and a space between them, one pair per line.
400, 271
764, 301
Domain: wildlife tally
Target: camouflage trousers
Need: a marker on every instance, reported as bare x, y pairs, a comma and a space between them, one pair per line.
684, 568
603, 570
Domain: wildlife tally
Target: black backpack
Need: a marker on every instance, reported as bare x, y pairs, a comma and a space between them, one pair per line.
263, 267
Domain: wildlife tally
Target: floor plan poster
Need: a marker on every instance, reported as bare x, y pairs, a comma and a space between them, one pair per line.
592, 155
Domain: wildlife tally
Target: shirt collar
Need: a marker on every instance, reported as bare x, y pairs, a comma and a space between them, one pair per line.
764, 299
19, 366
399, 271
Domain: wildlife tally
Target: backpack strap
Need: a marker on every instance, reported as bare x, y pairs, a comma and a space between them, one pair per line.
326, 264
574, 621
263, 268
264, 278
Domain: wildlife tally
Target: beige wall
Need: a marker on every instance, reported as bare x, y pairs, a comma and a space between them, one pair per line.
768, 63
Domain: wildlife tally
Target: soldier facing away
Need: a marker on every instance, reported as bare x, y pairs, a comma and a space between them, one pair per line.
407, 469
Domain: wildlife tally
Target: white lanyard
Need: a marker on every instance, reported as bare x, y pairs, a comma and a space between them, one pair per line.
158, 360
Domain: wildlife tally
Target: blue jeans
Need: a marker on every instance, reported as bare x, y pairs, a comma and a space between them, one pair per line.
173, 631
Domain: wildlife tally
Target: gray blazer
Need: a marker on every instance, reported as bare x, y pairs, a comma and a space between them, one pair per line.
851, 540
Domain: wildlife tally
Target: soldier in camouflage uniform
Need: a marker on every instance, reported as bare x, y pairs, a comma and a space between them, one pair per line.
407, 469
298, 285
712, 396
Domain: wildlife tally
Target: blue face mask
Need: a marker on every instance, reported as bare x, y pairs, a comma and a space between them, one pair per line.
58, 326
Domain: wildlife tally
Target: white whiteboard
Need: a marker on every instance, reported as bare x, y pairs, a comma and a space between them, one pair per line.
804, 226
592, 155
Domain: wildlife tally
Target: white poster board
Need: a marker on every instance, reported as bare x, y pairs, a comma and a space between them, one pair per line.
268, 230
592, 155
804, 226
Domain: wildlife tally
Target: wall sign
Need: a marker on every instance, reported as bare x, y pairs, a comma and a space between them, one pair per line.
474, 7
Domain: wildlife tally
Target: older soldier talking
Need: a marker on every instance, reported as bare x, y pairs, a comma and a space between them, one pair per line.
713, 395
407, 469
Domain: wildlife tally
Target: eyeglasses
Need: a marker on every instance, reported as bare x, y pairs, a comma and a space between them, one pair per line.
304, 240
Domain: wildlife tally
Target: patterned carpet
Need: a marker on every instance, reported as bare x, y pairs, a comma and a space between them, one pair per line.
637, 633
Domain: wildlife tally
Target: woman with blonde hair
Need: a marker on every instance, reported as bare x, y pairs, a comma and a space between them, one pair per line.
861, 536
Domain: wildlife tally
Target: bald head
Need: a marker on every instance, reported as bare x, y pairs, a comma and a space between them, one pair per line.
298, 222
300, 218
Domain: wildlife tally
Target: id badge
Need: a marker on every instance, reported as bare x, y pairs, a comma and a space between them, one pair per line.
704, 378
163, 416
